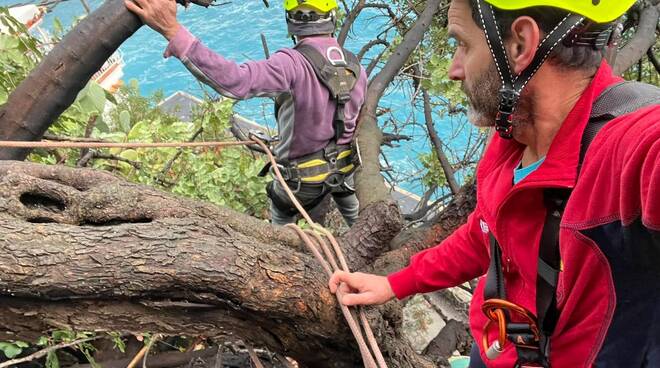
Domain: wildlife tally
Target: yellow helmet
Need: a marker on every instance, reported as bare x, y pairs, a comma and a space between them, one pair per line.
323, 6
599, 11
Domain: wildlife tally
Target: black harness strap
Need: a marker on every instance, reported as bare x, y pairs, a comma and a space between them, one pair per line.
617, 100
339, 76
513, 85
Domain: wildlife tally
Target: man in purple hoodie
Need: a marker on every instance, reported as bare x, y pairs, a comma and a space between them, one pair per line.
316, 121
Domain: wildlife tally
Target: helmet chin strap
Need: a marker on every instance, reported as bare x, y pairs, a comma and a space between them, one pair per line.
313, 24
513, 85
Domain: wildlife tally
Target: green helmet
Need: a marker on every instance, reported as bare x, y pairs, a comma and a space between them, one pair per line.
310, 17
587, 23
323, 6
601, 11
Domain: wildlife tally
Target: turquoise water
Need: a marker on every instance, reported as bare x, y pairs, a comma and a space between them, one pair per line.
233, 30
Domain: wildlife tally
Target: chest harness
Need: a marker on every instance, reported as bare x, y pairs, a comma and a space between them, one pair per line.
531, 334
338, 71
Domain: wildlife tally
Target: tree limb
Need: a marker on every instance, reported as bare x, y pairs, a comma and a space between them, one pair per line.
370, 185
641, 42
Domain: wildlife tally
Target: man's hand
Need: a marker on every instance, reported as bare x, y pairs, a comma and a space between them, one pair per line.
157, 14
360, 288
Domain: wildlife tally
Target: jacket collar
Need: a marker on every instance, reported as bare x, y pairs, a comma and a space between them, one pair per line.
561, 163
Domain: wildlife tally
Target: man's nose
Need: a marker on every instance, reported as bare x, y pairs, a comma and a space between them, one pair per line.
456, 71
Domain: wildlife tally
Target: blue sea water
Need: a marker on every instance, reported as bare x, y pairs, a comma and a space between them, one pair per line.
233, 30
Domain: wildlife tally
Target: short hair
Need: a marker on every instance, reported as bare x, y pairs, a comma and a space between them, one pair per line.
579, 57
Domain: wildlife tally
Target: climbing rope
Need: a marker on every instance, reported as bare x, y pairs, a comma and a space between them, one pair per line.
367, 344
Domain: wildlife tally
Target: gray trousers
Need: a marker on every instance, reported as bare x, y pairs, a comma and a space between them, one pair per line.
283, 211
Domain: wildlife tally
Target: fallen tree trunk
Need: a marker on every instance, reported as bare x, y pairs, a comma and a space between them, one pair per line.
85, 250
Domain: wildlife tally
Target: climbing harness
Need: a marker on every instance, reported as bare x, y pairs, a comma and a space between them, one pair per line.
529, 333
338, 71
328, 166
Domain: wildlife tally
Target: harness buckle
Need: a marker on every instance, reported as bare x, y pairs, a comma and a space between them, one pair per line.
261, 135
286, 173
340, 61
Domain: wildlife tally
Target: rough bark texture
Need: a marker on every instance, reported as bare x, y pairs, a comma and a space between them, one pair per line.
88, 251
54, 84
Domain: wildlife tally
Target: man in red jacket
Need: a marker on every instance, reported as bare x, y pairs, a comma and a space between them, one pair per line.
581, 294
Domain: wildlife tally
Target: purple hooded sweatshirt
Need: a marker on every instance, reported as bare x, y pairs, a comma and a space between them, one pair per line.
305, 117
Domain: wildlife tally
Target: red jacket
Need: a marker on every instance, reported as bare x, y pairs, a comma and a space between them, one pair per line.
608, 292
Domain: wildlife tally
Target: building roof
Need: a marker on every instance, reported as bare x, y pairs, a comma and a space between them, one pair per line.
180, 104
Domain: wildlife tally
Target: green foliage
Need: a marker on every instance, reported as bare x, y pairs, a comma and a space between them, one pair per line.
67, 336
19, 53
12, 349
118, 341
434, 175
227, 177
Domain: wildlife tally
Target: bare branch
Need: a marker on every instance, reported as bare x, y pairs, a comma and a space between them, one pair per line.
437, 145
653, 59
348, 22
643, 40
371, 44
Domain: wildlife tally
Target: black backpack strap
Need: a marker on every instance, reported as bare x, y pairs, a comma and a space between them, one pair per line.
339, 76
494, 278
616, 100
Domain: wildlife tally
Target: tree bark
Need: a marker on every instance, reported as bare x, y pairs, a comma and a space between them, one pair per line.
85, 250
641, 42
54, 84
370, 185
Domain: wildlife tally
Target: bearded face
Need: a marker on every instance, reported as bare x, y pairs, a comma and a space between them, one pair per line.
483, 100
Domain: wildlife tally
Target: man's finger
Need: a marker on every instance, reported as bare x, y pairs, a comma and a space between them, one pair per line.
357, 299
344, 288
130, 5
337, 278
141, 3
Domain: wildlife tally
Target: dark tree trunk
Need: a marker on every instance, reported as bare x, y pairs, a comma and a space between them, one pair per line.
54, 84
88, 251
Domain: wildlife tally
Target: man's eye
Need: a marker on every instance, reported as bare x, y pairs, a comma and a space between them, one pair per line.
452, 42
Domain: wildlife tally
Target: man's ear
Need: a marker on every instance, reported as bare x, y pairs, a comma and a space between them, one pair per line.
522, 43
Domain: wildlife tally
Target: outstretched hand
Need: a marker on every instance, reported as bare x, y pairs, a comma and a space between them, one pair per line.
160, 15
358, 288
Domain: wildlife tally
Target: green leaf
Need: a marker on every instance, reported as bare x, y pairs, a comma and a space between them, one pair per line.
42, 341
51, 360
10, 349
101, 124
125, 121
129, 155
8, 42
57, 26
63, 335
21, 344
97, 95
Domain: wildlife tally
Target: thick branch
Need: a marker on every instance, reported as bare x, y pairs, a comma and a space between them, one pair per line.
53, 85
370, 185
348, 22
642, 41
437, 144
85, 250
